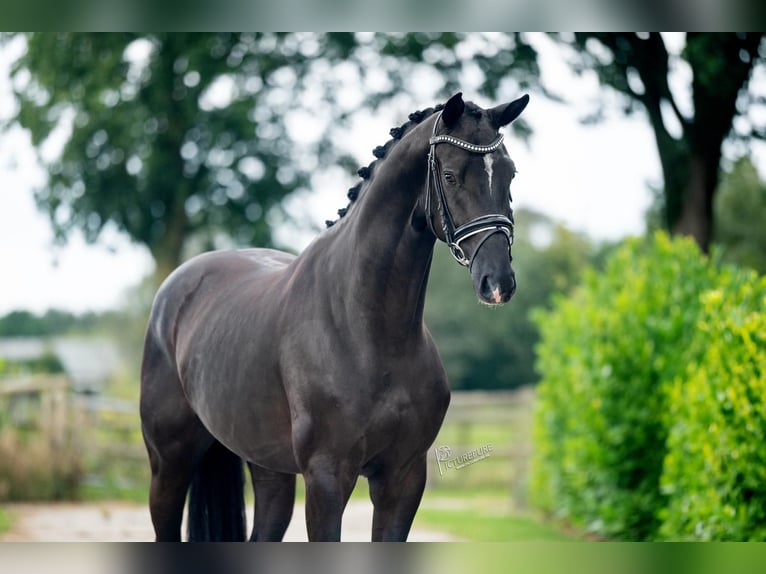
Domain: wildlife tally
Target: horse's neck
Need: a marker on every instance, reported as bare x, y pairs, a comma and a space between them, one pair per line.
398, 181
388, 260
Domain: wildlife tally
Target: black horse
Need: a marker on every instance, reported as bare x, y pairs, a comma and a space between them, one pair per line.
321, 364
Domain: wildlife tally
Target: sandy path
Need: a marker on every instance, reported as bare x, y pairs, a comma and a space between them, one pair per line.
125, 522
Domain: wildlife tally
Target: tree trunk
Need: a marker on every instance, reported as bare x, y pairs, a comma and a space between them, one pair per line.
721, 65
171, 184
168, 251
696, 215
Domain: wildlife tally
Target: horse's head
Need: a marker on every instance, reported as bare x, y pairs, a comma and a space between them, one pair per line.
468, 197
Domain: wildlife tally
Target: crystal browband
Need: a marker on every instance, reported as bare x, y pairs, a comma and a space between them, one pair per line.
467, 146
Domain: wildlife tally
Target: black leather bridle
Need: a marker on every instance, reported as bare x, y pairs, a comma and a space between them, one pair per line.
491, 223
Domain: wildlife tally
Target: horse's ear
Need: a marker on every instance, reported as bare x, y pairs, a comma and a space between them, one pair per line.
453, 109
504, 114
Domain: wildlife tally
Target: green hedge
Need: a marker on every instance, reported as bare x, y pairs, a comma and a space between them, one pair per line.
611, 358
715, 467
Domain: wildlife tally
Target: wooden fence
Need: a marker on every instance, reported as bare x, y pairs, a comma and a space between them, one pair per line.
485, 442
494, 426
39, 401
102, 433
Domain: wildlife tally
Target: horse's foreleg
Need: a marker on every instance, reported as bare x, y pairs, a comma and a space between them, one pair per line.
396, 497
274, 501
329, 483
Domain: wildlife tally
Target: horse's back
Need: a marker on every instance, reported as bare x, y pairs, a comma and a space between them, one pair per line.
223, 266
208, 281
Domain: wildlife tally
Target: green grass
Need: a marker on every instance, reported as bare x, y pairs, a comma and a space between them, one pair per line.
108, 492
5, 521
485, 514
475, 434
488, 495
482, 525
477, 514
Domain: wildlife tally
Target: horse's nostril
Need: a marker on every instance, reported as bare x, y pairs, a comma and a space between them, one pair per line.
484, 285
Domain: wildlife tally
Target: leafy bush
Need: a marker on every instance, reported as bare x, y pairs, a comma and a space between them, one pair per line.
715, 467
607, 357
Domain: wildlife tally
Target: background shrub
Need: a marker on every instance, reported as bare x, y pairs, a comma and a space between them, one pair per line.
31, 468
607, 357
715, 467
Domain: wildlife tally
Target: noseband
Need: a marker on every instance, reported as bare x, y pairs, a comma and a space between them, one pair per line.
492, 223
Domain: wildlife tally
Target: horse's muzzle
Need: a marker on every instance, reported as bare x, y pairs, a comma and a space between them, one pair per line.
494, 280
493, 292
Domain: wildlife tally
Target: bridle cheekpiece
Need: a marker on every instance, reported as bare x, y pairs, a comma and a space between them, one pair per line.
492, 223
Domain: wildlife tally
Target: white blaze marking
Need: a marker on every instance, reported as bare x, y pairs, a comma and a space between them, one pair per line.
488, 160
496, 297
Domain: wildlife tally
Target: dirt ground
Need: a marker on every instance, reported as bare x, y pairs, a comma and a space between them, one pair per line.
125, 522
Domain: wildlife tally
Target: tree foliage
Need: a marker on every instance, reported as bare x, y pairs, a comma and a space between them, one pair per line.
741, 213
52, 322
163, 140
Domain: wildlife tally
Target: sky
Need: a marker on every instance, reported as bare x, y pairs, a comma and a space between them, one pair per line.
594, 179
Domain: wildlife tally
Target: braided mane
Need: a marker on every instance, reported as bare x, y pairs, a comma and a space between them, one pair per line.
380, 152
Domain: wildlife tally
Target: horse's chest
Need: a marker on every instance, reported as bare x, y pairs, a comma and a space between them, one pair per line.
373, 400
401, 419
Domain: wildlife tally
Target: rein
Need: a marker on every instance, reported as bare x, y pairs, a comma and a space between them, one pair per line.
492, 223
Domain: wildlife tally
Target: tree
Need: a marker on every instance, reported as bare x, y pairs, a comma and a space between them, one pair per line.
741, 212
53, 322
179, 138
639, 67
162, 134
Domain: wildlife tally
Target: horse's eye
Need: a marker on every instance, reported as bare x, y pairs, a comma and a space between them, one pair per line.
450, 177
